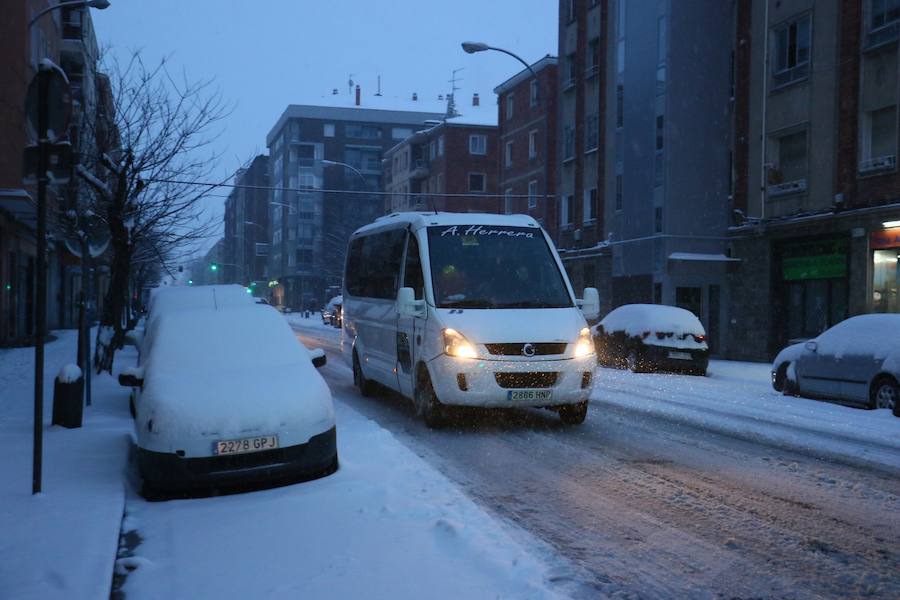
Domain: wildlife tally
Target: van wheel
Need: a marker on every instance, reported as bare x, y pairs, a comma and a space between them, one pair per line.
427, 404
366, 387
884, 394
573, 414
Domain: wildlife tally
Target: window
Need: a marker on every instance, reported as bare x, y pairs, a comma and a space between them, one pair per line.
363, 158
439, 185
657, 293
591, 132
620, 105
570, 74
618, 191
791, 155
412, 271
590, 205
885, 281
533, 93
532, 194
532, 144
401, 133
879, 132
661, 40
328, 130
791, 50
658, 219
510, 106
306, 180
440, 145
566, 210
508, 155
368, 132
432, 150
884, 12
508, 201
570, 10
477, 144
593, 56
690, 298
660, 129
476, 182
373, 265
569, 143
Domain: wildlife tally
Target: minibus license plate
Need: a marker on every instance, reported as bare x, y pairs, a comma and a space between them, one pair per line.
241, 446
680, 355
516, 395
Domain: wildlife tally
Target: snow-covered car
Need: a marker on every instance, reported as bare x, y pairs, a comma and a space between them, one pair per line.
332, 313
856, 361
650, 337
227, 396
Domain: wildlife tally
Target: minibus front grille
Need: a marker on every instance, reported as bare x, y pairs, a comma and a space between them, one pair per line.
519, 349
526, 380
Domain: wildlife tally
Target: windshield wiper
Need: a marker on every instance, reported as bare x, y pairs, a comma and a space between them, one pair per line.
473, 303
529, 304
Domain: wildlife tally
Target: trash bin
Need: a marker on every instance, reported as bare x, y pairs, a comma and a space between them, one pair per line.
68, 397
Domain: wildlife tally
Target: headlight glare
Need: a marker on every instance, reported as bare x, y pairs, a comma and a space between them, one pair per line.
455, 344
585, 345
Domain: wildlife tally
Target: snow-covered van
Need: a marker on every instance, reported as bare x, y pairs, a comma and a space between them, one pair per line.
226, 395
466, 309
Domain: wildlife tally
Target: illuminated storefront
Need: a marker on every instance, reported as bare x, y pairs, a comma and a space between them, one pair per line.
885, 246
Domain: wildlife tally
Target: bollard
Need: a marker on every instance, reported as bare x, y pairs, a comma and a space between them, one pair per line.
68, 397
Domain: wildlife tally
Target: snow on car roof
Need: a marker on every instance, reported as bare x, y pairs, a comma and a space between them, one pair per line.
417, 220
634, 319
200, 296
875, 334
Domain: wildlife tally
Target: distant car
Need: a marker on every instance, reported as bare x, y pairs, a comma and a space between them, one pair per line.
226, 395
856, 361
652, 337
332, 314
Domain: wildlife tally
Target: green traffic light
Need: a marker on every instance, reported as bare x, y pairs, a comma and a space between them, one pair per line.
253, 284
190, 282
249, 291
214, 267
8, 287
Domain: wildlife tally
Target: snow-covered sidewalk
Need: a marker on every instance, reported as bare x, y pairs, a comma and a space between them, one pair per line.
386, 525
60, 543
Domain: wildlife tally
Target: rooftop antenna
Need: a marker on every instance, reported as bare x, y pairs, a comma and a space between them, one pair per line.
451, 103
378, 93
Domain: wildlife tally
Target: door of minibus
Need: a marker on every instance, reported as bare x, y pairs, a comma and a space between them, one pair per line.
409, 328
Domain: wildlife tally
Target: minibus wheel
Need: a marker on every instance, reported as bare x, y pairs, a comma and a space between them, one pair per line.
366, 386
427, 403
573, 414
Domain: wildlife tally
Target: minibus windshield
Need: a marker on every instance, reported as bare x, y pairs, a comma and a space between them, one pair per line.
493, 266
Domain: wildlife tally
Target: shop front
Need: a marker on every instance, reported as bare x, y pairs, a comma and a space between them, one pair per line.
885, 248
812, 279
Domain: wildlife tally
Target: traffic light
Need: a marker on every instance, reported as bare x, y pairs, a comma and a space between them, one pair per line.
213, 267
190, 282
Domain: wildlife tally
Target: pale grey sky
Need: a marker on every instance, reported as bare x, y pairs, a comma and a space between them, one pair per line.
266, 54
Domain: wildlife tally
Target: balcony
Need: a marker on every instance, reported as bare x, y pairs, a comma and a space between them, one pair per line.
787, 188
419, 169
877, 164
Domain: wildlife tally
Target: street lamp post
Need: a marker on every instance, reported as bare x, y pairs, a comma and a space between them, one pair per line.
543, 96
41, 258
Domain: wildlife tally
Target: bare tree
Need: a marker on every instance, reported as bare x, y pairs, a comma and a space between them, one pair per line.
153, 167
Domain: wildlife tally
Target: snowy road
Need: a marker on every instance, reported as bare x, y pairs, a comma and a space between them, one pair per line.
678, 486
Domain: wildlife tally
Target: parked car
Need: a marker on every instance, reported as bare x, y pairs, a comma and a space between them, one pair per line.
332, 314
466, 309
652, 337
226, 395
856, 361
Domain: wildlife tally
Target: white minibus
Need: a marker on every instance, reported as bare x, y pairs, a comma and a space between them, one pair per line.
466, 309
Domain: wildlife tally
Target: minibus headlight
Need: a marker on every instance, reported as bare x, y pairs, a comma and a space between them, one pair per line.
457, 345
584, 345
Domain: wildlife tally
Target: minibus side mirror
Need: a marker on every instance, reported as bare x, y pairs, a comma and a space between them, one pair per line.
590, 303
407, 305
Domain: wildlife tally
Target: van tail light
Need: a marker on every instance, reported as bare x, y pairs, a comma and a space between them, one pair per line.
700, 338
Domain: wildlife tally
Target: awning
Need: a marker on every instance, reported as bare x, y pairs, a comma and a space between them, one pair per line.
696, 256
18, 203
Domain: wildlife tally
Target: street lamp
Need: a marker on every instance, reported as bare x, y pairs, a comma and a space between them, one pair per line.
334, 163
98, 4
472, 48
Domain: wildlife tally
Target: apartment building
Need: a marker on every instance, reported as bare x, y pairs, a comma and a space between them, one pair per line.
645, 106
324, 165
65, 36
449, 166
246, 238
817, 191
527, 143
